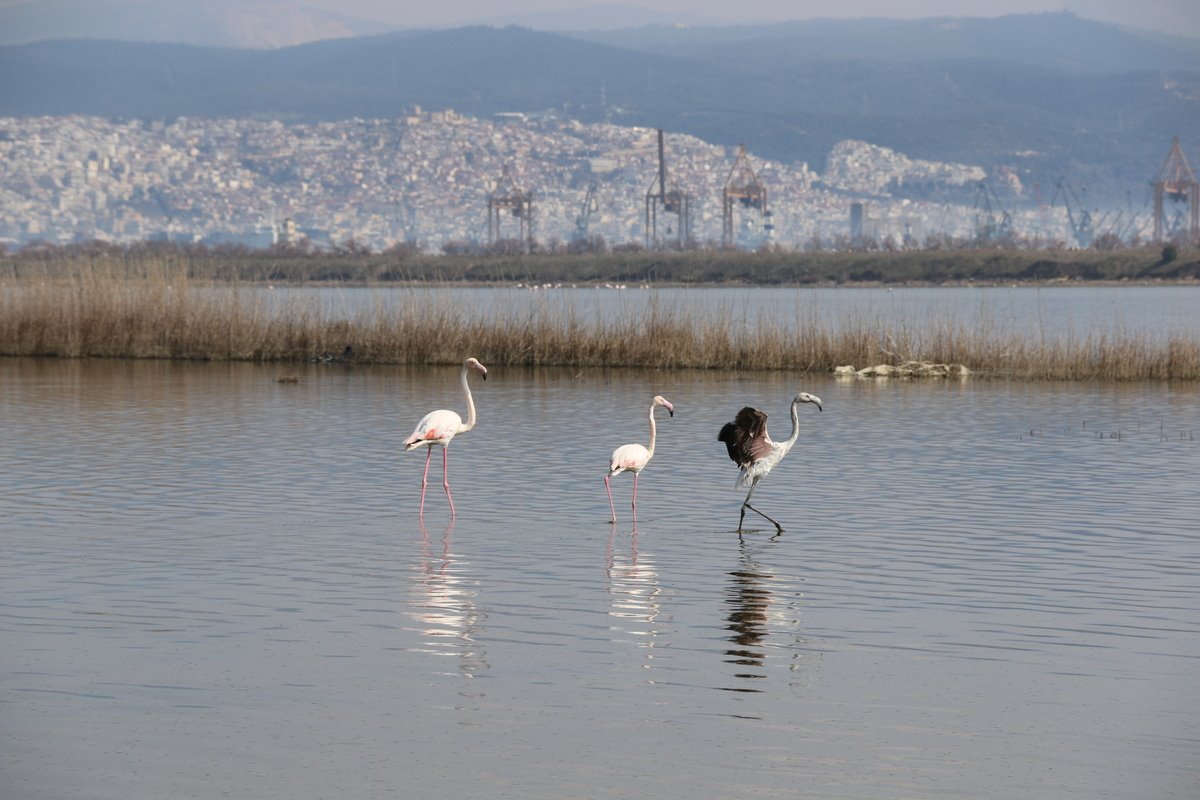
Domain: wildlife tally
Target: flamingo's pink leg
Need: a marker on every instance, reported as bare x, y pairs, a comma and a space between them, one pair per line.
446, 477
425, 480
610, 502
635, 481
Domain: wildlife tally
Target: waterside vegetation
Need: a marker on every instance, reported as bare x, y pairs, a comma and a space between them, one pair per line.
505, 263
155, 309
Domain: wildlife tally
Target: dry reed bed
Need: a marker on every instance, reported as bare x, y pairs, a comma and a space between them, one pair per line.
157, 314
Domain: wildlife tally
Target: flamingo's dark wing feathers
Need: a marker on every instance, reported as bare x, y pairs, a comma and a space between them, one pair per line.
746, 437
729, 435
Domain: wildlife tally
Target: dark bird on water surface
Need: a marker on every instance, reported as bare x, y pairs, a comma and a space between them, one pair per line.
751, 448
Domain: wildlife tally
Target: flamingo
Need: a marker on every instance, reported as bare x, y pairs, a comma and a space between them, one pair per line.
634, 457
751, 448
440, 427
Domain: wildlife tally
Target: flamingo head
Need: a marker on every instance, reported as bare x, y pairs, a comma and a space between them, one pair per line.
473, 363
659, 400
805, 397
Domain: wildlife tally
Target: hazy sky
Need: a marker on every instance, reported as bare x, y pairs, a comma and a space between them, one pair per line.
1179, 16
1173, 16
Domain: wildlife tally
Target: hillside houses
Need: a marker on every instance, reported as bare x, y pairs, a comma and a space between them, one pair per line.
423, 177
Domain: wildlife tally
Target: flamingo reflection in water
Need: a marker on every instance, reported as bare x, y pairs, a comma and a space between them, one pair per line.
763, 619
445, 611
635, 589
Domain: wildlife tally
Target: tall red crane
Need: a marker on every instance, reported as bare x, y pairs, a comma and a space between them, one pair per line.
745, 189
1176, 182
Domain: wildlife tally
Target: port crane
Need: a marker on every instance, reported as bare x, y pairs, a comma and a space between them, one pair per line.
519, 204
671, 200
1176, 182
1083, 227
745, 189
583, 220
991, 223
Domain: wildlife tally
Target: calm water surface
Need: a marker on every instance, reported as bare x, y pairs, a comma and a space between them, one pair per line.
216, 585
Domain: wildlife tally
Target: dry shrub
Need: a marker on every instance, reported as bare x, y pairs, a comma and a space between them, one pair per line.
108, 309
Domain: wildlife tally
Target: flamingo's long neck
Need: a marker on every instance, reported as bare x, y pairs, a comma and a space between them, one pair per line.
653, 431
791, 440
470, 423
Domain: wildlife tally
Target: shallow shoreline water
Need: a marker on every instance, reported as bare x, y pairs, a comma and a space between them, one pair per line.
214, 584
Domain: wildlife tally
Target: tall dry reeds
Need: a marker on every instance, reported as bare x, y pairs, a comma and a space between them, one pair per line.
110, 310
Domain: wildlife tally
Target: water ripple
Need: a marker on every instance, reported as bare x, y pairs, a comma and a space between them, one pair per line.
204, 568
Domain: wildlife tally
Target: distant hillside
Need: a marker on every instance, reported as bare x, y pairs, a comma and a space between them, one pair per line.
988, 92
1059, 41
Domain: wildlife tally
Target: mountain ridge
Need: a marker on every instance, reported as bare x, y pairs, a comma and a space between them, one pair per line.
1111, 129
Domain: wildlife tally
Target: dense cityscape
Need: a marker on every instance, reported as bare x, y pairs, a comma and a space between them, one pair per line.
424, 178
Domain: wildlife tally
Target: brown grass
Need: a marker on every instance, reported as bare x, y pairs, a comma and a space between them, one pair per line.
108, 311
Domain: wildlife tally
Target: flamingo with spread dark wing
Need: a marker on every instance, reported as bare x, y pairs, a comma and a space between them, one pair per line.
753, 450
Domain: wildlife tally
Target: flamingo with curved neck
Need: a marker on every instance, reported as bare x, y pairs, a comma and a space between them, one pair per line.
440, 427
634, 457
751, 448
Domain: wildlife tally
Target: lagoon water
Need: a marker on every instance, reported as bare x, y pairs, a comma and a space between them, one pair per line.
1148, 312
214, 584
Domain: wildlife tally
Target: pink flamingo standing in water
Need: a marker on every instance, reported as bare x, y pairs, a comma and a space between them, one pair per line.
440, 427
634, 457
755, 452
